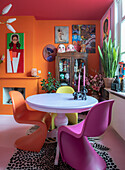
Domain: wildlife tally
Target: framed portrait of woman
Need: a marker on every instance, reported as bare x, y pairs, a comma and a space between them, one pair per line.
61, 34
105, 24
15, 53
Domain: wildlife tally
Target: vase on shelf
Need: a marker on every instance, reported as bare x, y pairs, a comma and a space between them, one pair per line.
108, 82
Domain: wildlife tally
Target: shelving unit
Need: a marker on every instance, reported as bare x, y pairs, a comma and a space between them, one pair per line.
68, 66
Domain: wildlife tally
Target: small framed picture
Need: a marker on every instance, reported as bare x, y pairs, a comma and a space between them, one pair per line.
61, 34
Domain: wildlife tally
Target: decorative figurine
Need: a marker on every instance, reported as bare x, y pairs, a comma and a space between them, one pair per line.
64, 66
67, 76
2, 58
70, 47
34, 72
83, 48
62, 76
121, 69
76, 66
61, 48
80, 95
60, 65
123, 84
116, 84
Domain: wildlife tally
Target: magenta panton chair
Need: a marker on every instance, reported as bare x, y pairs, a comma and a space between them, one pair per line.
74, 146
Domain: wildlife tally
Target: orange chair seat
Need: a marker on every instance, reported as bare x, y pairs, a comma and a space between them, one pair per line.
34, 141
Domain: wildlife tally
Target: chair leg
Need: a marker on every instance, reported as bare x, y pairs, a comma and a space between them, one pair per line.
33, 142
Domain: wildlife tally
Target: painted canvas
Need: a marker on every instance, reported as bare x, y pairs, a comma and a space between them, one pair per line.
76, 37
85, 34
61, 34
15, 53
105, 26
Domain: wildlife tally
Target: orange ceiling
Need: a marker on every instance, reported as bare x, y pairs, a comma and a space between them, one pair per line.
58, 9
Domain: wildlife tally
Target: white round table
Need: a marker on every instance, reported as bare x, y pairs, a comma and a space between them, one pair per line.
60, 103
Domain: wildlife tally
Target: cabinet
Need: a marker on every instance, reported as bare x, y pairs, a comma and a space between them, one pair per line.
68, 66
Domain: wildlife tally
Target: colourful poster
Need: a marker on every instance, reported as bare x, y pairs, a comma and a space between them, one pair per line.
15, 53
84, 34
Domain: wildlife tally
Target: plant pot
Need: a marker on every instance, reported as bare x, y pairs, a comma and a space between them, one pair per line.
108, 82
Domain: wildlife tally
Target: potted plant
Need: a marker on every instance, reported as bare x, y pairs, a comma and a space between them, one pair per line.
109, 59
50, 84
94, 84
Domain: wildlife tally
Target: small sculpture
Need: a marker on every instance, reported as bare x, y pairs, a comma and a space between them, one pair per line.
83, 48
80, 95
61, 48
60, 65
34, 72
70, 47
2, 58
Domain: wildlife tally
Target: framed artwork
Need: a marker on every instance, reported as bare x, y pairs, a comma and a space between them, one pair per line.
85, 34
105, 26
49, 52
61, 34
15, 53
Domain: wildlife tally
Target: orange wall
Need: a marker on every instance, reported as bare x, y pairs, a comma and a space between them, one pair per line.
39, 33
22, 24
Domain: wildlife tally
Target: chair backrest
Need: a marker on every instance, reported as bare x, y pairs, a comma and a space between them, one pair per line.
18, 103
65, 89
98, 119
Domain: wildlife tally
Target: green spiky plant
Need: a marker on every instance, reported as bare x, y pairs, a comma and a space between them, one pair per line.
109, 56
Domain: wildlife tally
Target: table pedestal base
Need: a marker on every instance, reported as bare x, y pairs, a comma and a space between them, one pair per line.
60, 120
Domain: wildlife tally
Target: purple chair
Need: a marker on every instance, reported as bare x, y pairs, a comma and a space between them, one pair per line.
74, 146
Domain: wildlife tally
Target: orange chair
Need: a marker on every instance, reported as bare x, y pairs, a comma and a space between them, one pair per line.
34, 141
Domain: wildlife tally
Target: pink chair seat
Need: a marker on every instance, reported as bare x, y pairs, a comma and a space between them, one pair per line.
74, 146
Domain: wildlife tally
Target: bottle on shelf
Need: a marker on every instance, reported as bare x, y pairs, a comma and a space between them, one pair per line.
64, 65
123, 84
76, 66
60, 65
75, 76
67, 77
116, 86
62, 76
68, 65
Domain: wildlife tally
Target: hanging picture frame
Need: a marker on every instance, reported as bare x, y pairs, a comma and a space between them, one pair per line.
49, 52
105, 24
61, 34
15, 52
86, 35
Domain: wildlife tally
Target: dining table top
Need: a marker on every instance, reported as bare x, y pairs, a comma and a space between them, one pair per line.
60, 103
